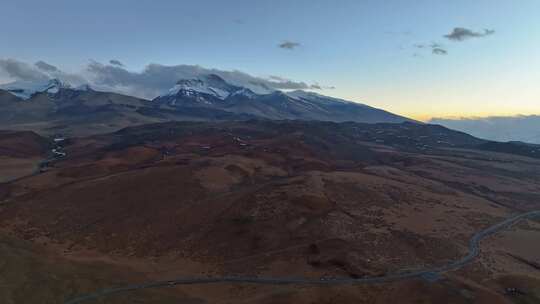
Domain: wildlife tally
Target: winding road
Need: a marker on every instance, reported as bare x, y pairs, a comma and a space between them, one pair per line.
474, 249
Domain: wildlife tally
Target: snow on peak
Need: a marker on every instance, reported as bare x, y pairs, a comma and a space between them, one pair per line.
211, 84
26, 89
211, 87
214, 85
194, 86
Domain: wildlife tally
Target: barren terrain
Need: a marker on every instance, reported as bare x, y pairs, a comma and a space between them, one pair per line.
280, 199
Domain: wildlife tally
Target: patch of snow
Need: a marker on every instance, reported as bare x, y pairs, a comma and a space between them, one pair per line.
194, 86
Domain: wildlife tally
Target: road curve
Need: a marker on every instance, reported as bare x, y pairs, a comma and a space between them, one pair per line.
474, 249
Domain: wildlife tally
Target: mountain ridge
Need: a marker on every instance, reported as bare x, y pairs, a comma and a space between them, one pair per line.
212, 91
57, 107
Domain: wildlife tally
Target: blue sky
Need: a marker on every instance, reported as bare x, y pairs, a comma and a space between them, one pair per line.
365, 49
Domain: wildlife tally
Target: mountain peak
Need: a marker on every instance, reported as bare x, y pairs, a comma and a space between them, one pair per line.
54, 86
27, 89
203, 88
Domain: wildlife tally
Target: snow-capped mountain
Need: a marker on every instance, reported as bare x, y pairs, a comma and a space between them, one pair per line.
60, 107
54, 106
213, 92
26, 89
206, 89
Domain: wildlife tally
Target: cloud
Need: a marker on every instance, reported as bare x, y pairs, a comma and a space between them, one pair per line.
42, 65
40, 71
499, 128
116, 62
457, 34
439, 51
436, 48
19, 70
153, 80
289, 45
156, 79
462, 34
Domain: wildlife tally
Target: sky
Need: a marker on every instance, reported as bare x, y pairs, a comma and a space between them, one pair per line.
418, 58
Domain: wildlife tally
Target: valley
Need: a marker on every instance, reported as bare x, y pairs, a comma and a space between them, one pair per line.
321, 201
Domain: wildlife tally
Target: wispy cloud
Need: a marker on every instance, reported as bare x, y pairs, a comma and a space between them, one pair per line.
458, 34
462, 34
436, 48
289, 45
439, 51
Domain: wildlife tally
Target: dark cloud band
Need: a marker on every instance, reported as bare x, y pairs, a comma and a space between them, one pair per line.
156, 78
521, 128
439, 51
42, 65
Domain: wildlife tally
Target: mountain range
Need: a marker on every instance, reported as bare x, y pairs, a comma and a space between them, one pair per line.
56, 107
